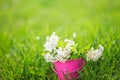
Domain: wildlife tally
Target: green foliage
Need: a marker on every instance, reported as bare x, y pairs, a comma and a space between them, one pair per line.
21, 21
61, 43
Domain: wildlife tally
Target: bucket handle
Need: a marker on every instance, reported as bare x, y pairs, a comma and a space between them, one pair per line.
71, 72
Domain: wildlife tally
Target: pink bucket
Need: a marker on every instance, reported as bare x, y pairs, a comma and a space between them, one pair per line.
68, 70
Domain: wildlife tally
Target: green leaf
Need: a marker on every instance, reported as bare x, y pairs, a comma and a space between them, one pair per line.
88, 46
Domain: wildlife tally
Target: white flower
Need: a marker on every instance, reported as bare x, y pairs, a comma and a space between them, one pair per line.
74, 35
49, 58
60, 51
69, 42
60, 54
95, 54
51, 42
69, 45
60, 58
64, 53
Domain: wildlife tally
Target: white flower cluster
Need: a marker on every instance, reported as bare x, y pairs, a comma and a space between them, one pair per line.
62, 54
94, 55
49, 57
51, 42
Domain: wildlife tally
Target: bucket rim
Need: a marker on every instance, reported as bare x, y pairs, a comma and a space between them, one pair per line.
70, 60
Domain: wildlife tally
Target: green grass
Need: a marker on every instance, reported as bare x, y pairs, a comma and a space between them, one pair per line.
21, 21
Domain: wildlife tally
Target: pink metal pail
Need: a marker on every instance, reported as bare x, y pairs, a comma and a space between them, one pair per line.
68, 70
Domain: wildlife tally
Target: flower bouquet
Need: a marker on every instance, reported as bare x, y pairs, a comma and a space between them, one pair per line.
66, 56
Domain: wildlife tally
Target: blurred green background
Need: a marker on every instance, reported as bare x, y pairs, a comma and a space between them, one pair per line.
22, 21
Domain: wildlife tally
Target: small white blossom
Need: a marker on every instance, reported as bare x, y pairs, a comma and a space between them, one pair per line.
51, 42
64, 53
60, 58
49, 58
74, 35
69, 45
95, 54
69, 42
60, 51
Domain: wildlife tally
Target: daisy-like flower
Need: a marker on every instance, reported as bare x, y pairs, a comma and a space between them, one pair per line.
51, 42
94, 55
